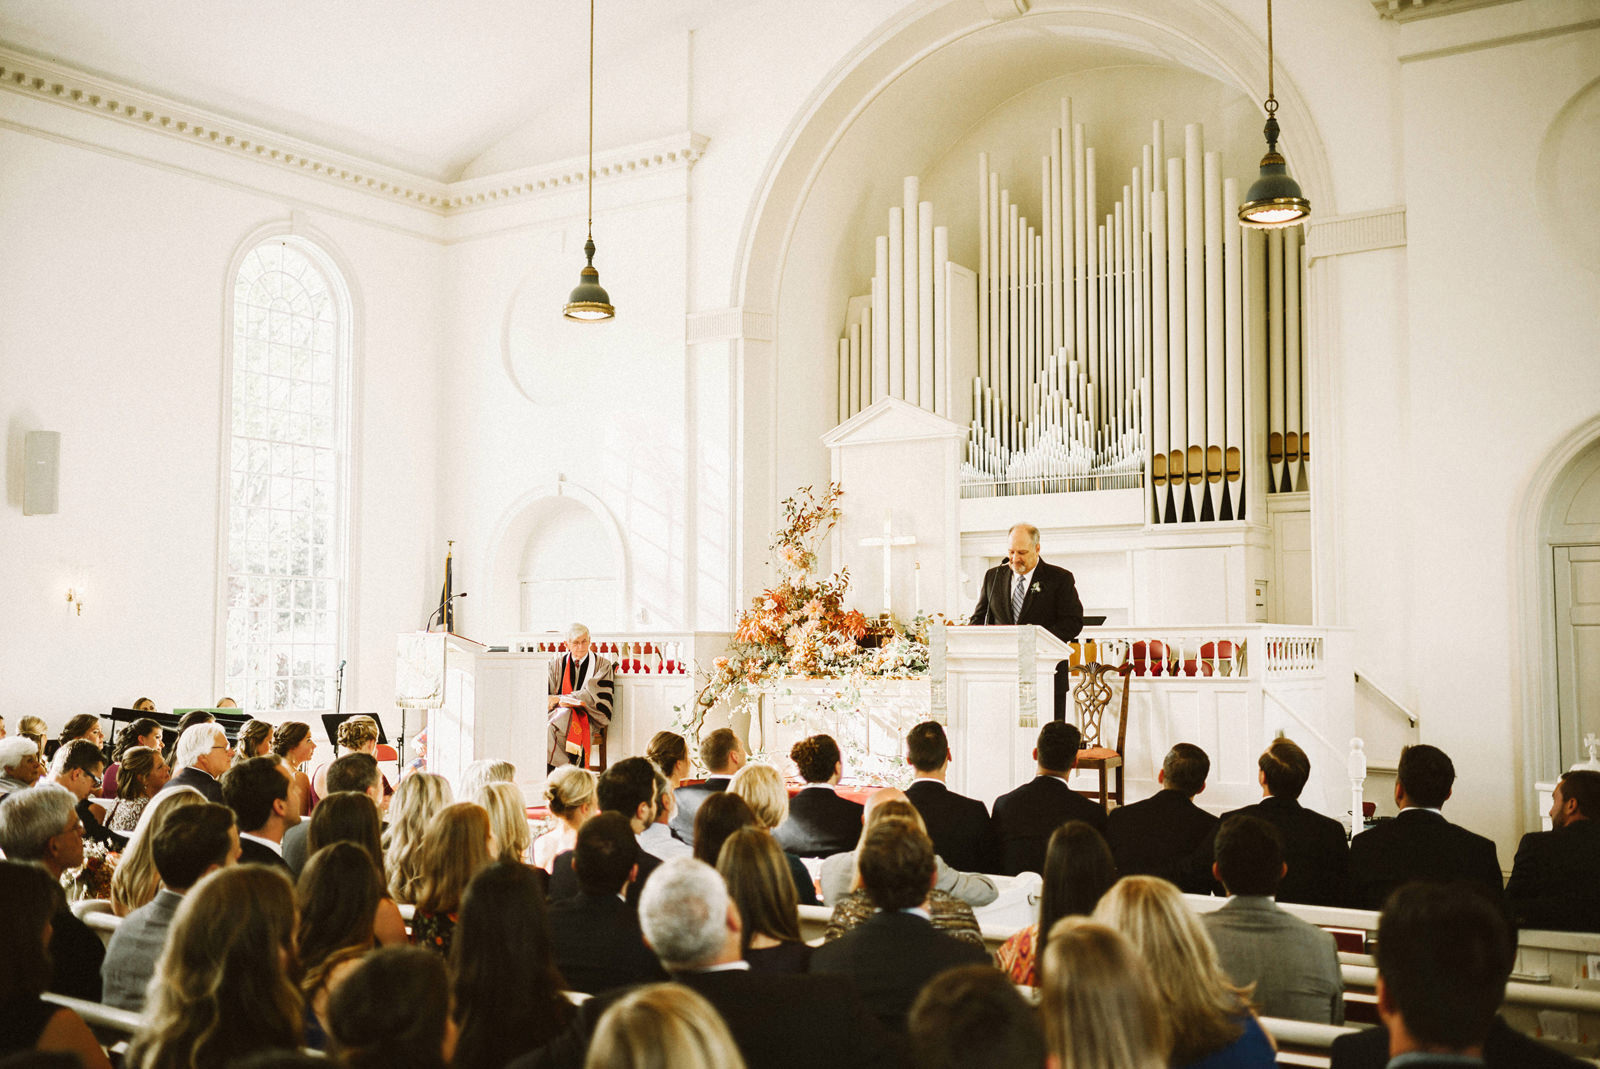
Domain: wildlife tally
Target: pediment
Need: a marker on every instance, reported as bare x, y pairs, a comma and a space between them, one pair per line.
892, 420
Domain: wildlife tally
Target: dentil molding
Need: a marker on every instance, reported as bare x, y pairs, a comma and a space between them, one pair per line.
1339, 235
59, 84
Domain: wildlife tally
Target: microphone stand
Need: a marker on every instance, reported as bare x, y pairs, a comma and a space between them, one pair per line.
338, 689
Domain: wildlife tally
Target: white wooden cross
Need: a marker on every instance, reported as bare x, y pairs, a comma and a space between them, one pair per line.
888, 541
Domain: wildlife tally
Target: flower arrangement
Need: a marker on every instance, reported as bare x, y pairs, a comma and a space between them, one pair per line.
801, 628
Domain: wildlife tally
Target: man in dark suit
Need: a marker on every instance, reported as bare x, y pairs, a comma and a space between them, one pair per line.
1505, 1048
958, 825
202, 756
260, 791
193, 841
723, 754
1166, 834
820, 823
1314, 846
595, 934
777, 1020
891, 954
1420, 844
1025, 818
1026, 590
1555, 880
629, 788
1444, 955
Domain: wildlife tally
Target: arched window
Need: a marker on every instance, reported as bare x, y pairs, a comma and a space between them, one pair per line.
288, 459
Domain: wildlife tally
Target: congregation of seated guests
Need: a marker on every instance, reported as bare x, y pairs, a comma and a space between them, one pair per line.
657, 922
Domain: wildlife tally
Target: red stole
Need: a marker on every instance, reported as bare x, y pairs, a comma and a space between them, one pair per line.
578, 722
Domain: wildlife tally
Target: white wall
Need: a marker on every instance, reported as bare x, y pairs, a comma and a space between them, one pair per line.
113, 288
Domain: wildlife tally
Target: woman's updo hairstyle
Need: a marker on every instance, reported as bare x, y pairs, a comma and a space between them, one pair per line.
569, 789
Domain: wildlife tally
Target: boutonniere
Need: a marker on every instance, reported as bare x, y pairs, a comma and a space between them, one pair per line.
1035, 588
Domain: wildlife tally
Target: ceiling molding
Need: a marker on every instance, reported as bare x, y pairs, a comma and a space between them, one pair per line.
62, 85
1407, 10
1340, 235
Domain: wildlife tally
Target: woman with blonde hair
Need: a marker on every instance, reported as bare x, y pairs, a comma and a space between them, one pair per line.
292, 741
840, 878
508, 818
224, 989
136, 880
357, 734
457, 846
420, 798
1099, 1003
143, 773
1211, 1021
253, 740
570, 795
662, 1026
485, 771
756, 871
763, 789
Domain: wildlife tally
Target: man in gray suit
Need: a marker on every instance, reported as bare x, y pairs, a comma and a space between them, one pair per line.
193, 841
1294, 965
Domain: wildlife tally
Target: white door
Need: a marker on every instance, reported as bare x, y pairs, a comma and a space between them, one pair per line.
1577, 605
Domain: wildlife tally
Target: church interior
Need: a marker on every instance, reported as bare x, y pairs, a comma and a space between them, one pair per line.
979, 260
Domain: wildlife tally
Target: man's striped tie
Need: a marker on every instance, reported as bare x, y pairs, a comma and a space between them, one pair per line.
1017, 594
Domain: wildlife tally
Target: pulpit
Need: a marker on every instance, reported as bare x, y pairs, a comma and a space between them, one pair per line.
993, 687
481, 704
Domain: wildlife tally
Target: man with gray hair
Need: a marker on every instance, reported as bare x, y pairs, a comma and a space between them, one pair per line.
20, 767
41, 826
1027, 590
202, 756
580, 691
776, 1019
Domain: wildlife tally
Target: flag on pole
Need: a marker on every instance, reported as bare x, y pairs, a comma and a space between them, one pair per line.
449, 620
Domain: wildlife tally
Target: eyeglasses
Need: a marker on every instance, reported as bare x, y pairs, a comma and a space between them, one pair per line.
223, 747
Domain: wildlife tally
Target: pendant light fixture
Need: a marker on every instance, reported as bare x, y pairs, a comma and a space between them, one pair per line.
1274, 199
590, 302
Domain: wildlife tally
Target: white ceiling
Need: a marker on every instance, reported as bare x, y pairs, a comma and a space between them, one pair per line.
423, 85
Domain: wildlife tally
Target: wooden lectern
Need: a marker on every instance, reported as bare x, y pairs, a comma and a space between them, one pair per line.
993, 687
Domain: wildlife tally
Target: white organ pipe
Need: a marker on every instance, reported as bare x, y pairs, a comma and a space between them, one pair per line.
925, 326
897, 303
1029, 322
1233, 330
1114, 294
1275, 356
1195, 309
1160, 435
1058, 336
983, 264
880, 321
866, 356
992, 371
1216, 403
855, 369
910, 303
1080, 254
1177, 321
1293, 423
1255, 277
943, 376
1092, 242
1002, 379
1013, 392
844, 380
1047, 316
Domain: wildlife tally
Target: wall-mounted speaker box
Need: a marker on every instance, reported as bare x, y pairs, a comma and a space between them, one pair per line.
41, 459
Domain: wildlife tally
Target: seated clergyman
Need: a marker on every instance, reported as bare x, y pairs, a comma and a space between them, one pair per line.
581, 685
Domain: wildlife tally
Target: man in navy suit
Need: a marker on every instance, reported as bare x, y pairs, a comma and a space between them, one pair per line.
723, 754
202, 756
261, 793
1555, 881
1025, 818
958, 825
1026, 590
1420, 844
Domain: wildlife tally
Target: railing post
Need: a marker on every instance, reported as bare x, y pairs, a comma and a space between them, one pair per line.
1357, 769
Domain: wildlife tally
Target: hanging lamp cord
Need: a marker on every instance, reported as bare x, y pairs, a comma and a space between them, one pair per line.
1272, 99
589, 175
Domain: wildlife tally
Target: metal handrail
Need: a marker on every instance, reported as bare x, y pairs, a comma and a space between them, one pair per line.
1390, 698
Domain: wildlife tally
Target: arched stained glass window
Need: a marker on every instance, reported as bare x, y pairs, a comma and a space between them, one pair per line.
287, 478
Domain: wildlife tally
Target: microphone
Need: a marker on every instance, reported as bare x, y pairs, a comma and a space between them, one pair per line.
439, 612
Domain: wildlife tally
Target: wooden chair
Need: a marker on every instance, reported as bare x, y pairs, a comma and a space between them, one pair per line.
1093, 697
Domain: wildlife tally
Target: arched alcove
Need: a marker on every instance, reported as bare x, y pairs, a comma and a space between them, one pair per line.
923, 96
1558, 531
556, 550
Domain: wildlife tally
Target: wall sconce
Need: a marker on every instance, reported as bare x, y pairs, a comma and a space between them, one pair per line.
75, 600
